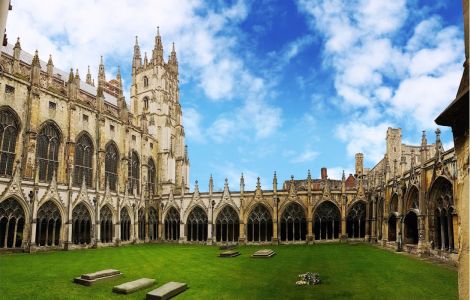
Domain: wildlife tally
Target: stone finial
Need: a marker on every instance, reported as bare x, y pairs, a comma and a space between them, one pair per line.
242, 184
71, 76
211, 185
343, 176
35, 61
17, 44
88, 77
258, 183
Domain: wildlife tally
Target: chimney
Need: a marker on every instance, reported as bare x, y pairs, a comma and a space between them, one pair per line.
324, 174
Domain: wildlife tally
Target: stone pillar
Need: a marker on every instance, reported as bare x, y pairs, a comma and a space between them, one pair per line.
421, 234
241, 237
146, 224
209, 234
367, 233
182, 233
374, 221
97, 223
32, 236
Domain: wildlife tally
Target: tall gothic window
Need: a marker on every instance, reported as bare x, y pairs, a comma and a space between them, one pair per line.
111, 163
133, 172
293, 223
196, 225
356, 221
81, 225
146, 81
153, 224
83, 161
326, 221
9, 128
12, 221
125, 225
151, 177
106, 226
172, 225
49, 224
146, 103
47, 151
260, 225
227, 228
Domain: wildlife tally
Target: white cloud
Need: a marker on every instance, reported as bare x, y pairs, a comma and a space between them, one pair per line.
192, 124
379, 72
337, 172
305, 156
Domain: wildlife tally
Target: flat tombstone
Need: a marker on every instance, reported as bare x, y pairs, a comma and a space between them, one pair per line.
92, 278
133, 286
264, 253
230, 253
167, 291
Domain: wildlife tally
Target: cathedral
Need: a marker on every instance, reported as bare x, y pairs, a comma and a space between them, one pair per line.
80, 168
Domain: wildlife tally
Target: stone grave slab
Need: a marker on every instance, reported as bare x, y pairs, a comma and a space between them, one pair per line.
167, 291
133, 286
91, 278
229, 253
264, 253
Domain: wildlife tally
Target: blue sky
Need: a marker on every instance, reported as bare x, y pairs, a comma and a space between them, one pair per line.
268, 85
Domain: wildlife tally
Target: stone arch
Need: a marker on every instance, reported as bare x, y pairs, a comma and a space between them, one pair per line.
411, 227
356, 220
12, 223
111, 165
227, 225
392, 227
259, 224
125, 220
172, 224
326, 221
293, 222
133, 172
412, 198
49, 224
153, 223
197, 224
48, 149
443, 215
106, 224
81, 224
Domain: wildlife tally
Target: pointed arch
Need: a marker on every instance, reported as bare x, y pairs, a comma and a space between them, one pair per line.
327, 221
443, 216
356, 220
227, 225
106, 224
260, 224
83, 167
125, 224
412, 198
12, 223
293, 223
172, 224
153, 223
49, 224
133, 172
9, 130
411, 227
47, 149
81, 225
111, 165
197, 224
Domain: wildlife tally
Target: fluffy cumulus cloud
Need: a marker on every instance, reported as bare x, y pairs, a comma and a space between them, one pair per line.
382, 69
206, 35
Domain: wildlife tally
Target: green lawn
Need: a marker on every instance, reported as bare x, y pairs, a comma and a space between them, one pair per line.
357, 271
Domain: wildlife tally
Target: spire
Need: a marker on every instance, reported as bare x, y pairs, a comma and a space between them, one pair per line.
173, 60
146, 62
17, 44
343, 177
101, 73
119, 80
35, 69
71, 80
157, 53
16, 56
136, 61
211, 185
424, 141
242, 184
35, 61
258, 183
88, 77
275, 182
439, 146
50, 66
77, 78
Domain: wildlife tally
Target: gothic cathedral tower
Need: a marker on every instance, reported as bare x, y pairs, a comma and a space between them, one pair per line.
156, 107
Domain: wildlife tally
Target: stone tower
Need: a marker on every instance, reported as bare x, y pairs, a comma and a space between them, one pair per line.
359, 157
155, 106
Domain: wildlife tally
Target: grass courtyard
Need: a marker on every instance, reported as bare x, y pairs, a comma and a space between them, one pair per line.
358, 271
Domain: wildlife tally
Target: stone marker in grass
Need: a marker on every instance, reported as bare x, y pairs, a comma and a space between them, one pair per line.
133, 286
167, 291
264, 253
229, 253
91, 278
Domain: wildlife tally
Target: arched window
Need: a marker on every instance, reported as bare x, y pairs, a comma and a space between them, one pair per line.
227, 227
260, 225
172, 225
141, 224
12, 222
356, 221
151, 177
146, 103
125, 225
106, 225
81, 225
293, 223
111, 163
326, 221
9, 128
146, 81
83, 161
47, 151
133, 173
445, 216
48, 225
196, 225
153, 224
